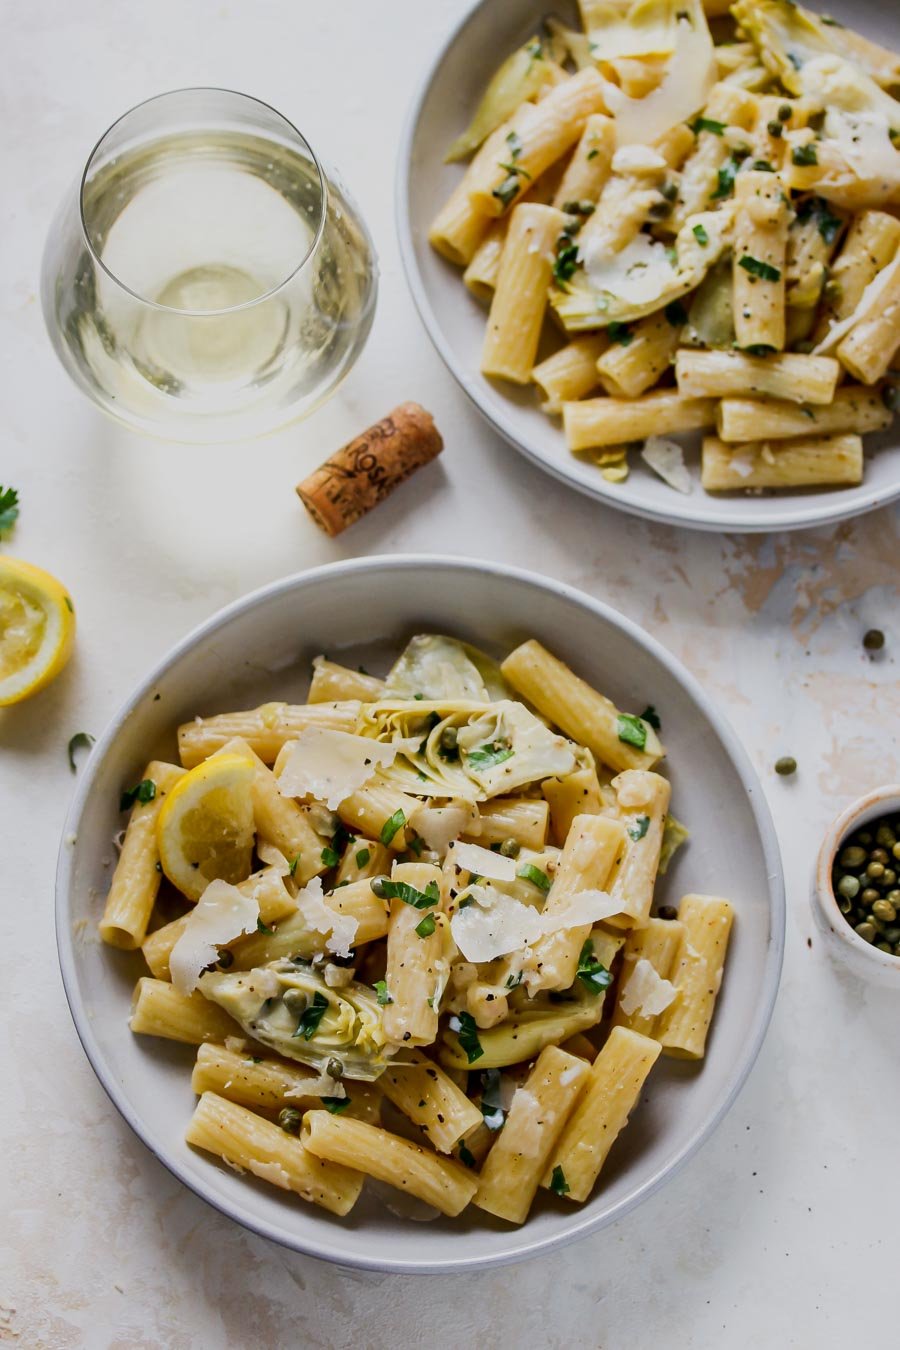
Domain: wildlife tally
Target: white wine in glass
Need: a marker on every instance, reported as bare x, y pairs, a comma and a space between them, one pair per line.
207, 281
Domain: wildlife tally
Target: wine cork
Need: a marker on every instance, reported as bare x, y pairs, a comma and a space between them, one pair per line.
361, 474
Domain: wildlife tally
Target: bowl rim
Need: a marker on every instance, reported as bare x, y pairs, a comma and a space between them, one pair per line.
826, 508
863, 808
513, 1245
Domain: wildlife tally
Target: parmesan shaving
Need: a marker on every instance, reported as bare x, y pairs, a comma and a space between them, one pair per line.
496, 924
440, 825
221, 914
321, 1085
690, 75
339, 929
647, 990
483, 862
867, 302
637, 159
666, 458
273, 857
270, 1171
637, 274
332, 765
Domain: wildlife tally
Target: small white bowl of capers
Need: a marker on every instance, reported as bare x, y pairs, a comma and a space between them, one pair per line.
856, 889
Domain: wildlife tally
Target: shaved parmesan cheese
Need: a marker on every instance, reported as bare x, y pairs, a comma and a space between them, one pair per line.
440, 825
867, 302
483, 862
647, 990
332, 765
339, 928
318, 1085
221, 914
639, 273
637, 159
666, 458
634, 787
863, 140
582, 908
495, 924
690, 75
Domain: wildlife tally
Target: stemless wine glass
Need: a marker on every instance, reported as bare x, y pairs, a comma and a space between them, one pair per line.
205, 280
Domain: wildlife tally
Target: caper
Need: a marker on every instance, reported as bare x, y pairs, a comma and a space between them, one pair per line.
883, 909
885, 947
784, 112
890, 876
873, 640
849, 887
869, 896
852, 857
894, 897
334, 1068
377, 885
845, 905
295, 1001
226, 959
878, 855
510, 848
290, 1119
892, 935
895, 849
449, 738
864, 838
885, 836
785, 766
875, 871
867, 931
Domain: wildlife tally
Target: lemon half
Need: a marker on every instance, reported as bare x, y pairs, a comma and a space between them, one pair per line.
205, 828
37, 629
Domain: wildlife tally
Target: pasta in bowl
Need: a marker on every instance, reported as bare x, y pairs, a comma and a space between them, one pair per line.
678, 233
431, 981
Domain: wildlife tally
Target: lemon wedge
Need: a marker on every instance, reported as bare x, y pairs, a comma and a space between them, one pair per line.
37, 629
205, 828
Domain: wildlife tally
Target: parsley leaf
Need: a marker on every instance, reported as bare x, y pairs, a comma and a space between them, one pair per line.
528, 872
426, 927
558, 1183
651, 716
381, 993
292, 866
263, 928
757, 268
708, 124
329, 857
620, 333
639, 828
804, 155
700, 234
579, 208
491, 1105
590, 971
566, 262
310, 1019
487, 755
82, 740
335, 1104
631, 730
725, 178
467, 1035
410, 895
390, 827
363, 857
144, 791
507, 191
9, 508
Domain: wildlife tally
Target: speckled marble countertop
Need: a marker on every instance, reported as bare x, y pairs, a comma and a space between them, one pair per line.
783, 1231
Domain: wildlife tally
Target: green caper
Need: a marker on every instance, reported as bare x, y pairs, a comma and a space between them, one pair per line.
334, 1068
785, 766
883, 909
449, 738
894, 897
869, 896
885, 836
895, 849
226, 959
849, 887
873, 640
879, 855
845, 905
377, 885
892, 935
784, 112
864, 838
889, 877
885, 947
867, 931
295, 1001
510, 848
290, 1119
875, 871
852, 857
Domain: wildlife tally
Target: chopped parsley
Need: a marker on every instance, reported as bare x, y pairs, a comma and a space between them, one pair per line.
329, 857
391, 826
507, 190
381, 993
591, 972
263, 928
558, 1183
467, 1035
294, 864
651, 716
725, 178
491, 1105
757, 268
592, 154
829, 225
335, 1104
804, 155
82, 740
639, 828
363, 857
144, 791
676, 313
312, 1016
763, 166
528, 872
410, 895
631, 730
708, 124
700, 234
416, 845
513, 981
566, 261
620, 333
9, 508
487, 755
426, 927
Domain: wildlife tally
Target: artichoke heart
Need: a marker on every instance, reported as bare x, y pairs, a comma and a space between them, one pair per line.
465, 750
435, 667
287, 1006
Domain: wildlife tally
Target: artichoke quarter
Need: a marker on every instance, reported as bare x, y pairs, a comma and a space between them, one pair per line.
287, 1006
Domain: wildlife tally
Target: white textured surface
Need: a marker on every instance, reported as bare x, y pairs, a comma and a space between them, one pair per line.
784, 1227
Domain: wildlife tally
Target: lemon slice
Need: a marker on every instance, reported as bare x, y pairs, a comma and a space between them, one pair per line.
37, 628
205, 827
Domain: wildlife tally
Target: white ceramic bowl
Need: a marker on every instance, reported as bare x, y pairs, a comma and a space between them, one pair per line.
845, 945
455, 320
259, 649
